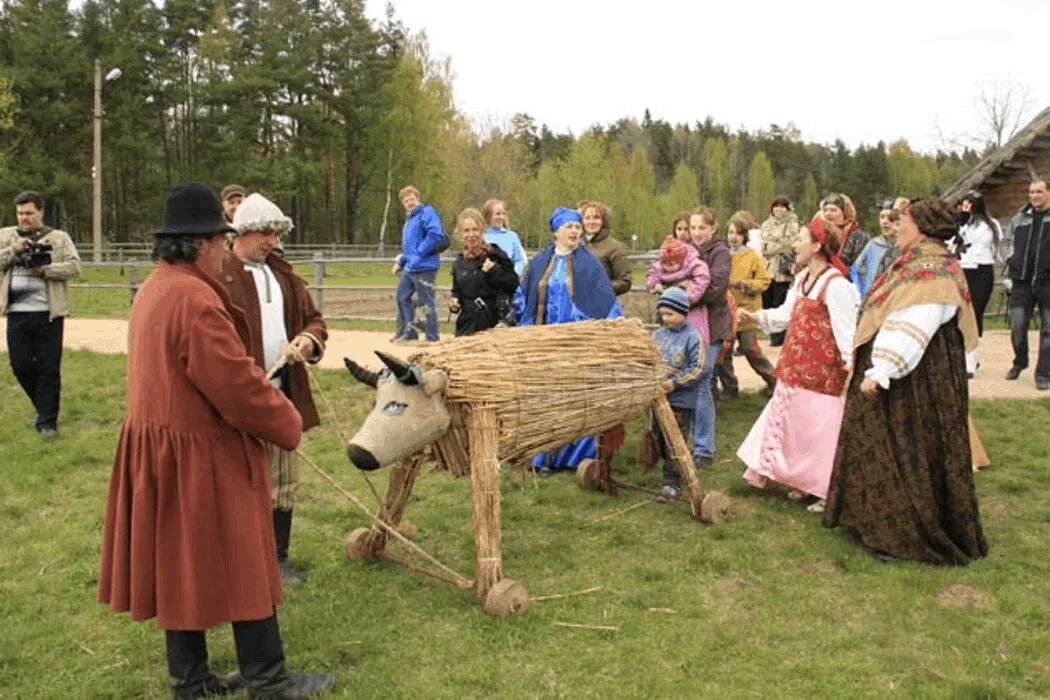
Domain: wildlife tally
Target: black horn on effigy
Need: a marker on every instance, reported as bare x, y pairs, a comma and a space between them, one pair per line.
401, 370
365, 376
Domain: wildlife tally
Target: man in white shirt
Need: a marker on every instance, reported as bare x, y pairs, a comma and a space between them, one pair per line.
285, 326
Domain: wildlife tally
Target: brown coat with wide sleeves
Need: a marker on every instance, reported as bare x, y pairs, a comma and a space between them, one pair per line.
188, 537
301, 317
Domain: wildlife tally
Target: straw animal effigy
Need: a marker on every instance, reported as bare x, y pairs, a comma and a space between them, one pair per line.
512, 393
547, 385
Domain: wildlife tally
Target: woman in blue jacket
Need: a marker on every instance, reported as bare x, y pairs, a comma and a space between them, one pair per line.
564, 283
498, 233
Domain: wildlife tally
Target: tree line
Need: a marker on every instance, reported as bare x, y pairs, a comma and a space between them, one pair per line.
328, 113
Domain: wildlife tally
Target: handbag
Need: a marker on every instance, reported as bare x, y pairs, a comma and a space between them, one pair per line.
787, 264
505, 311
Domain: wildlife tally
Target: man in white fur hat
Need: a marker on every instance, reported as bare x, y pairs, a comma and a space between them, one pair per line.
286, 326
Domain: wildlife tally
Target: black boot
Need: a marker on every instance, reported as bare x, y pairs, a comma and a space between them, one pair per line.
188, 667
282, 532
261, 658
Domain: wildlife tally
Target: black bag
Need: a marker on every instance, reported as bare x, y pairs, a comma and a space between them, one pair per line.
505, 311
442, 245
787, 264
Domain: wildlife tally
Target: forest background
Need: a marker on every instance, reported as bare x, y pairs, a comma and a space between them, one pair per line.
328, 113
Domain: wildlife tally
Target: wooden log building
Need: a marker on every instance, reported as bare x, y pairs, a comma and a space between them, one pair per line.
1003, 176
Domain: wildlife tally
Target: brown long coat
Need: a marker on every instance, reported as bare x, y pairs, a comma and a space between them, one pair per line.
189, 534
613, 256
300, 317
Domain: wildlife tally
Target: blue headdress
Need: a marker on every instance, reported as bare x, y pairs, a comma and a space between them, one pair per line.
563, 215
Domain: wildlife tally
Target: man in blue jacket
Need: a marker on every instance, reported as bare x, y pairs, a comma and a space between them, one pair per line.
422, 239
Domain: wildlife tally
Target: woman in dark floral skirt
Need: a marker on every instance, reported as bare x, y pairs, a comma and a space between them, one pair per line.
903, 478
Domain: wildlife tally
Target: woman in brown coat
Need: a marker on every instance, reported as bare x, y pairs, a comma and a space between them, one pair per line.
188, 536
610, 252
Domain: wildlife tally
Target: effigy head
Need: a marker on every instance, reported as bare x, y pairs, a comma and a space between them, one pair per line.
408, 415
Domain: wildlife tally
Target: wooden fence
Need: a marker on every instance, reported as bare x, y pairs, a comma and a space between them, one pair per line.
377, 302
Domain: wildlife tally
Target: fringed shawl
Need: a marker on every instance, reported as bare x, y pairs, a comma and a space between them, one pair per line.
926, 274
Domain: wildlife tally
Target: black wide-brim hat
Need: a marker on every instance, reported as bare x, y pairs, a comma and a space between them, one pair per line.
192, 209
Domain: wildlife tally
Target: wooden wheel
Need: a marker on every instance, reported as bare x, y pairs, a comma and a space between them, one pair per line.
714, 508
359, 545
506, 598
587, 472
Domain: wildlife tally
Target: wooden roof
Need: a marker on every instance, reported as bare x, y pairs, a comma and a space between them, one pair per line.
1002, 164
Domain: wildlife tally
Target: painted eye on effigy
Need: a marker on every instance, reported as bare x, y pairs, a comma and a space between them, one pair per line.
394, 408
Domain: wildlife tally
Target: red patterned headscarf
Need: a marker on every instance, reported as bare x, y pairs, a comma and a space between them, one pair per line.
817, 227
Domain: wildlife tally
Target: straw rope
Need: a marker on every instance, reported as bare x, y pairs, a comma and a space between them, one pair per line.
457, 579
315, 387
558, 596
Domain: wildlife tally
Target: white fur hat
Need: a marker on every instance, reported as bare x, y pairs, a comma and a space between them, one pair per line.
257, 213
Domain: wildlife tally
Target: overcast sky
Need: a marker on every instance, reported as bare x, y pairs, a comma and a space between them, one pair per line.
862, 72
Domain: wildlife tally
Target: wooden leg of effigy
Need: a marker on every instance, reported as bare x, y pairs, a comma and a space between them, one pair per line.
597, 472
499, 595
484, 481
683, 458
369, 543
608, 443
712, 507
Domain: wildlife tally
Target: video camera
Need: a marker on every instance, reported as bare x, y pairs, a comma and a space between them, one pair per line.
36, 254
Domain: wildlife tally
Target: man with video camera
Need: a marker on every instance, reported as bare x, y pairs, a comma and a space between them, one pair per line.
36, 262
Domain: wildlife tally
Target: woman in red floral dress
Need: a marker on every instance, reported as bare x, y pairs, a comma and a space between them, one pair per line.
793, 442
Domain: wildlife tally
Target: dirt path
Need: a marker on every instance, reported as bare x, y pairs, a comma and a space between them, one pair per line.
110, 336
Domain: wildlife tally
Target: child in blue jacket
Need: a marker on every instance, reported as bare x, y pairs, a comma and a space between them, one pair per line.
683, 352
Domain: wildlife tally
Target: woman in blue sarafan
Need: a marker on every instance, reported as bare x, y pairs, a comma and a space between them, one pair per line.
564, 283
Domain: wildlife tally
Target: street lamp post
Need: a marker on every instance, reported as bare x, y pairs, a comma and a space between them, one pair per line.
96, 165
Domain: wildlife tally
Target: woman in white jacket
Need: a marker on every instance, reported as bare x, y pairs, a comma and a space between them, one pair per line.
980, 235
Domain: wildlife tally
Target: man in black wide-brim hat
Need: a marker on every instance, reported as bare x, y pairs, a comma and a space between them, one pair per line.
188, 536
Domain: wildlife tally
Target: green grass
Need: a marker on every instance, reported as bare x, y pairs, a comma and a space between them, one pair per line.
769, 604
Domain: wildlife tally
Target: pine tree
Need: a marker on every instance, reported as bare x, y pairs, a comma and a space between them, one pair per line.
549, 192
126, 34
636, 201
718, 181
910, 175
808, 202
587, 171
760, 184
684, 192
659, 135
52, 81
7, 114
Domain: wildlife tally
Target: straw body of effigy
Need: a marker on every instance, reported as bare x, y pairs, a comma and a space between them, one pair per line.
511, 393
547, 385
